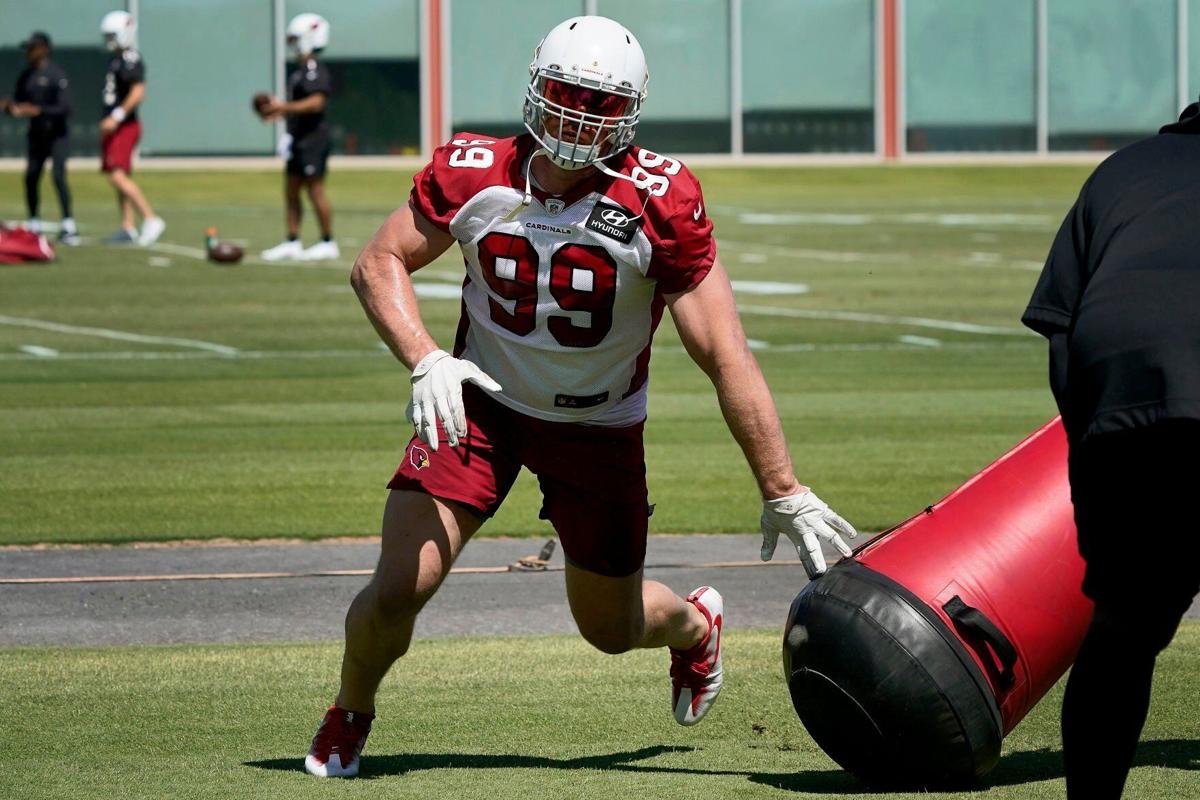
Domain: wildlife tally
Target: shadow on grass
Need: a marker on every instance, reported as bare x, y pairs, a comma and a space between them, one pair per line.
381, 766
1014, 769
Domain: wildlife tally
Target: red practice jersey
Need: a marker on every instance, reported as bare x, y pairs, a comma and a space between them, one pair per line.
563, 295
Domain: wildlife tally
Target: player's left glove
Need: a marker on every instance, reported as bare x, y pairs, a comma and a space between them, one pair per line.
805, 519
437, 394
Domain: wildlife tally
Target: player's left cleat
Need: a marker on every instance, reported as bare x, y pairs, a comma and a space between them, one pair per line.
152, 228
321, 251
696, 675
338, 744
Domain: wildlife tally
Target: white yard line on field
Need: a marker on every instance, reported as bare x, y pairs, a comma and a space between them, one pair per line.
884, 319
919, 341
949, 220
38, 350
195, 355
837, 256
267, 355
123, 336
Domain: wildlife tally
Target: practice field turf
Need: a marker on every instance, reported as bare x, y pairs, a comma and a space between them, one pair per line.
147, 394
482, 718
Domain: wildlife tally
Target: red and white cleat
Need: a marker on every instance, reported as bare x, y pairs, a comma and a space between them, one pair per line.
339, 741
696, 675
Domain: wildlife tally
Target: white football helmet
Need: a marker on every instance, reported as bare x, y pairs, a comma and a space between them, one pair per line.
587, 84
308, 34
119, 29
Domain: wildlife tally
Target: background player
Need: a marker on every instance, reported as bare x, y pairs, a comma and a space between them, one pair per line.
43, 94
574, 243
306, 145
120, 130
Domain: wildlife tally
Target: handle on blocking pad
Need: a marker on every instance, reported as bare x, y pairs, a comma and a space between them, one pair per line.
977, 622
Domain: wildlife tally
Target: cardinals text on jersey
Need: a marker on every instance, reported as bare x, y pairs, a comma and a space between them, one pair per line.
562, 296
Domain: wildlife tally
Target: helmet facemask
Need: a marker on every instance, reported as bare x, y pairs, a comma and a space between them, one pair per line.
579, 121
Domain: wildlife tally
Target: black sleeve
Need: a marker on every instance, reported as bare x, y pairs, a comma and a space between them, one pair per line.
1055, 299
60, 106
135, 72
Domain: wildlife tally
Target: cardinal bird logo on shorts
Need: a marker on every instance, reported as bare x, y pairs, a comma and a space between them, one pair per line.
418, 457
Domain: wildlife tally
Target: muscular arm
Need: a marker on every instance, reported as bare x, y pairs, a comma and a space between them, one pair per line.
402, 245
708, 323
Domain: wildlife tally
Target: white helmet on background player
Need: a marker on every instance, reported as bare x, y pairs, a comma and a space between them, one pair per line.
308, 34
119, 29
586, 87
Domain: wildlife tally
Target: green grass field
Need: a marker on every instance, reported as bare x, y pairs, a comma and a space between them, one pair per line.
481, 718
296, 433
901, 372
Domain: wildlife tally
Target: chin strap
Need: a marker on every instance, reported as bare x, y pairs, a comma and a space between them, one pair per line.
527, 200
642, 186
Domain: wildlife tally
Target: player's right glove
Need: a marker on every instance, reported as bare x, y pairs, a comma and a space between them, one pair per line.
437, 394
805, 519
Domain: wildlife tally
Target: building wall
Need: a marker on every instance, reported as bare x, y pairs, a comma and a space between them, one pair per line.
753, 76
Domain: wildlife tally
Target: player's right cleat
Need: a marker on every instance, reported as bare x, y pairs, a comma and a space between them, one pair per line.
152, 229
290, 250
696, 674
322, 251
338, 744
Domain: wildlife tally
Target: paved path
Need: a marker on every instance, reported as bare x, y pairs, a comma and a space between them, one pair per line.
312, 608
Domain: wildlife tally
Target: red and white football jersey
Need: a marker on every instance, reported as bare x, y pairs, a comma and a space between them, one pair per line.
562, 296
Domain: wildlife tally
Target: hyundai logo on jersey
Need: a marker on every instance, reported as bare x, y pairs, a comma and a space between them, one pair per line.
613, 222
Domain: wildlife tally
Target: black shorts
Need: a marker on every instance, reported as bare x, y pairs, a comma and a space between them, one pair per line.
309, 157
1135, 498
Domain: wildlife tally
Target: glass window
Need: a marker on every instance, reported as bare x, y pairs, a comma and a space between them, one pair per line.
373, 55
971, 75
492, 46
823, 100
199, 85
74, 29
1111, 71
687, 52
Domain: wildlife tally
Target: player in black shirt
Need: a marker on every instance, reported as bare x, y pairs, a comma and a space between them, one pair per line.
1119, 300
43, 94
306, 145
120, 130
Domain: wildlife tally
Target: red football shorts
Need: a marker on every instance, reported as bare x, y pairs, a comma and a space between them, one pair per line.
117, 148
593, 479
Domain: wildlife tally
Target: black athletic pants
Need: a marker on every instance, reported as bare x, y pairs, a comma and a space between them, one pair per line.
55, 148
1135, 508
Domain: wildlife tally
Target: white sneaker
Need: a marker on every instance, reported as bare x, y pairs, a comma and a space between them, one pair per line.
284, 251
152, 228
696, 674
321, 251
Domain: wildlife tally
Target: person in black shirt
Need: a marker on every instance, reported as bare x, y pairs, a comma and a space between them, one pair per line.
43, 94
307, 142
120, 130
1118, 299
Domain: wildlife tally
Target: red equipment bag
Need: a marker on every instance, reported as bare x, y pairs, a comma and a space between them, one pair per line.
909, 662
18, 245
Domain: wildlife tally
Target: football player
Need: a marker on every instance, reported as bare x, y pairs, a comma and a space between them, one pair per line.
575, 242
306, 144
120, 129
43, 94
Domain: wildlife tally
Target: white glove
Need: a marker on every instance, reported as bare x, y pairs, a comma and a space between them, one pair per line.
283, 147
806, 520
437, 394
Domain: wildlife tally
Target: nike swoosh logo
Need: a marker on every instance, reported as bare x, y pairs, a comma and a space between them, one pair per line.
697, 212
